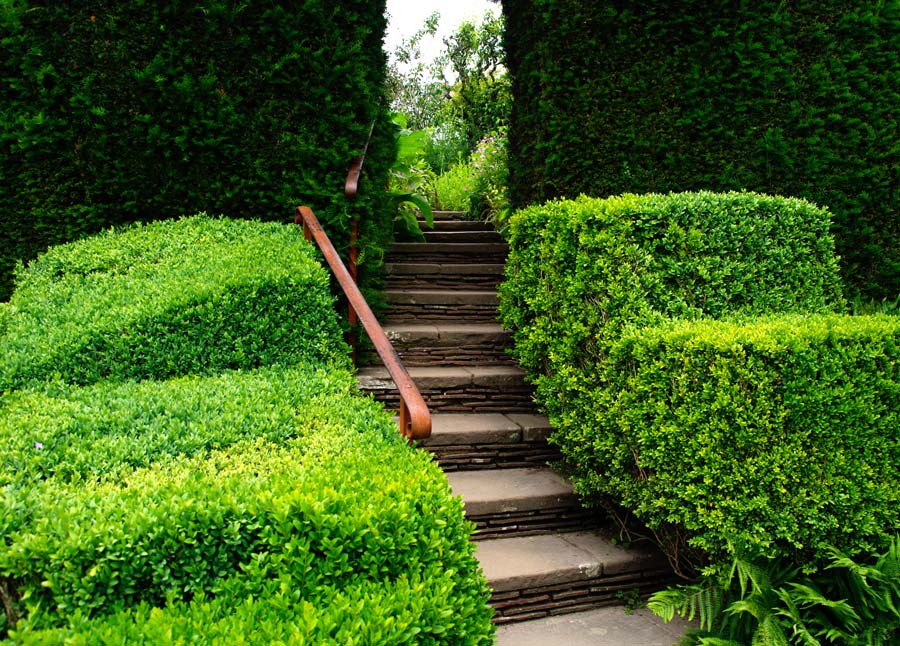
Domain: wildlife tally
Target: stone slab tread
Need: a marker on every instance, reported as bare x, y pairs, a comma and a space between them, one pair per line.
442, 296
501, 491
519, 563
449, 429
377, 378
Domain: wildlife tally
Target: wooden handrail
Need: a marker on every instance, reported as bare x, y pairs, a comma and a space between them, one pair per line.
415, 420
351, 190
351, 186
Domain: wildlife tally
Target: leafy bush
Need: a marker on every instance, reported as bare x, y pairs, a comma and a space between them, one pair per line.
409, 176
584, 278
105, 431
453, 188
581, 272
773, 436
477, 186
488, 199
398, 612
445, 145
306, 507
198, 295
770, 602
116, 111
795, 98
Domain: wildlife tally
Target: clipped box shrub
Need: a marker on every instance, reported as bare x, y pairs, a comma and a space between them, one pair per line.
771, 436
103, 432
313, 515
582, 272
192, 296
399, 613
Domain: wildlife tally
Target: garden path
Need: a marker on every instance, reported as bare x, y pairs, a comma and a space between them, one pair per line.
543, 554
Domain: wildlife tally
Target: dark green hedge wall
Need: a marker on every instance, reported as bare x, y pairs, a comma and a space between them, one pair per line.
112, 112
794, 98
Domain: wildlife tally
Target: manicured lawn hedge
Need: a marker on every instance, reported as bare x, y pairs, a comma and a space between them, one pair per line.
772, 436
193, 296
315, 499
103, 432
185, 457
687, 350
582, 272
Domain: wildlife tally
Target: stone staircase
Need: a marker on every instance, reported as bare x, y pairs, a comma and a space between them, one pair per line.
542, 553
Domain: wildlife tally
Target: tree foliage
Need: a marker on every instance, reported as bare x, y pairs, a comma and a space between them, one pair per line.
460, 97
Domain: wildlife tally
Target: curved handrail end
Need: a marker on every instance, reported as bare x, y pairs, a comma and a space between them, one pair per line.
415, 420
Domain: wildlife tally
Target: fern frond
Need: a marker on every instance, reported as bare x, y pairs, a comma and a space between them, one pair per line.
703, 601
770, 633
718, 641
753, 606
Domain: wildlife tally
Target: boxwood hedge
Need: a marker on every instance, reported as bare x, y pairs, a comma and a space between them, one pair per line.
312, 521
192, 296
582, 272
773, 436
692, 439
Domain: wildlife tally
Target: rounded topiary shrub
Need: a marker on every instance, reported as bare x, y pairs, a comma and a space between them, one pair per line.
690, 351
582, 272
274, 504
192, 296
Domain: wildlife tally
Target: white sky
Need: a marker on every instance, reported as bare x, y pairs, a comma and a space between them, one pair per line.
406, 17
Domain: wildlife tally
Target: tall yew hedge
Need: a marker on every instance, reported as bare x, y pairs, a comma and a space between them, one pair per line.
115, 111
795, 98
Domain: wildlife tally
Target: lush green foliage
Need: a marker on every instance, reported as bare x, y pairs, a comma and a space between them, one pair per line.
581, 272
226, 506
479, 88
105, 431
307, 504
116, 111
462, 96
770, 602
453, 188
411, 85
477, 186
672, 421
197, 295
776, 436
409, 176
488, 199
798, 98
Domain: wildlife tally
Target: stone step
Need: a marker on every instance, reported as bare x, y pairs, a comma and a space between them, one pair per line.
606, 626
450, 343
520, 502
548, 574
490, 441
456, 225
456, 389
450, 215
442, 297
453, 237
448, 252
425, 275
430, 305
